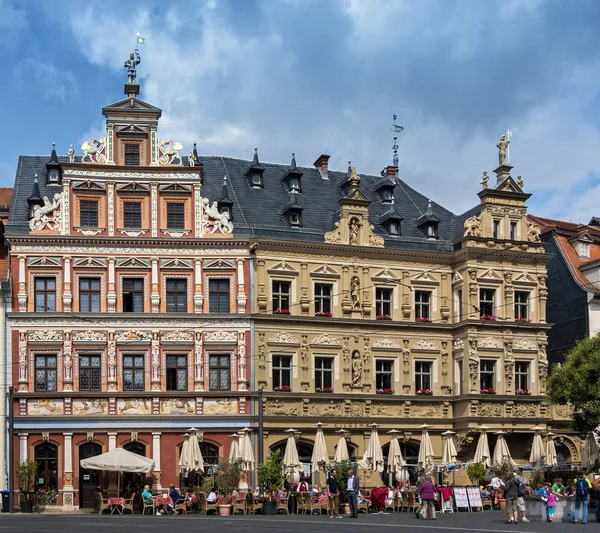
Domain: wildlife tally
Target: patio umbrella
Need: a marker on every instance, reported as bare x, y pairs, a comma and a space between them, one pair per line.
538, 450
551, 458
196, 461
118, 460
482, 453
395, 461
373, 457
425, 459
184, 455
501, 451
234, 450
320, 457
291, 461
449, 454
246, 452
341, 450
590, 452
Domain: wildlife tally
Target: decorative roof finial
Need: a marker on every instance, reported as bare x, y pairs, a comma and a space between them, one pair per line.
354, 179
396, 129
193, 157
293, 163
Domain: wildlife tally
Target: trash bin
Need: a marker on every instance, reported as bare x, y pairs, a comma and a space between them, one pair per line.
5, 500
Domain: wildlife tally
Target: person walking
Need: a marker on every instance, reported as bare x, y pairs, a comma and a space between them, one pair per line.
582, 498
333, 498
427, 491
511, 494
522, 489
353, 486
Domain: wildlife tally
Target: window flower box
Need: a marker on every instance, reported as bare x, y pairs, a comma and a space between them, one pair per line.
523, 320
523, 392
491, 390
324, 389
489, 317
424, 392
283, 388
281, 312
384, 317
324, 313
384, 391
423, 319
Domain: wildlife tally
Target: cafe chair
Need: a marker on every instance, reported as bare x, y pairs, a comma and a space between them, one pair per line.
129, 503
149, 507
282, 505
180, 506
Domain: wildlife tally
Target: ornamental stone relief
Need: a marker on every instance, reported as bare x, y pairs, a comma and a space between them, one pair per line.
139, 336
283, 338
458, 345
489, 409
220, 337
177, 336
425, 410
45, 335
89, 336
526, 344
275, 407
386, 343
325, 409
524, 410
425, 345
325, 340
490, 343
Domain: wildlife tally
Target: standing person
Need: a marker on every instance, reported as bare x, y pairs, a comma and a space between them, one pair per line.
334, 497
427, 491
522, 484
558, 488
353, 487
596, 485
582, 497
511, 494
550, 500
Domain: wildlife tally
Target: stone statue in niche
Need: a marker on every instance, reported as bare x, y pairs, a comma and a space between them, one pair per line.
354, 291
357, 367
353, 230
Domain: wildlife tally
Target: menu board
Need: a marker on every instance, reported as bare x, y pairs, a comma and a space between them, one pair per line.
460, 497
474, 496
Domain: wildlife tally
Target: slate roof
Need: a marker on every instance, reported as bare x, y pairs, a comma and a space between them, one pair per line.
260, 213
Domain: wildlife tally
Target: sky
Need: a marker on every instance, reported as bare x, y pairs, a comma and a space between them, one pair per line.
325, 76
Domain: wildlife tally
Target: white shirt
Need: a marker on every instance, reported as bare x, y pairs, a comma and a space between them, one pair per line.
496, 483
351, 483
212, 497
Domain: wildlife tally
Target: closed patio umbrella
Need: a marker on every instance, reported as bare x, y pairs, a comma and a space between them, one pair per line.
538, 450
449, 454
341, 450
482, 453
320, 457
234, 450
590, 452
245, 449
551, 457
291, 461
196, 463
425, 459
184, 454
501, 451
395, 461
373, 457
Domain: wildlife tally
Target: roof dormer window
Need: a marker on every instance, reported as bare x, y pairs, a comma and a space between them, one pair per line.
432, 231
394, 227
293, 177
255, 172
295, 218
387, 195
294, 183
53, 171
256, 180
584, 250
429, 223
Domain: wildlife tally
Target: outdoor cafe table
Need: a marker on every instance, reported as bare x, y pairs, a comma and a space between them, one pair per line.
163, 502
116, 504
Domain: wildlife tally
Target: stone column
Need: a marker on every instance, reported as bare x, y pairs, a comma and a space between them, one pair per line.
241, 294
110, 145
346, 302
473, 294
262, 298
198, 363
67, 296
112, 476
155, 296
156, 486
543, 292
446, 291
68, 362
366, 293
155, 361
68, 490
112, 361
66, 217
304, 290
198, 214
154, 208
112, 294
23, 447
111, 208
198, 297
406, 295
153, 147
22, 294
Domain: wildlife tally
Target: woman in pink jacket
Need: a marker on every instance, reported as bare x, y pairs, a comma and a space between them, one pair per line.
427, 491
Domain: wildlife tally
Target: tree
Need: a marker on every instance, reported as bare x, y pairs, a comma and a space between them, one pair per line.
341, 471
227, 475
577, 383
271, 475
476, 473
26, 473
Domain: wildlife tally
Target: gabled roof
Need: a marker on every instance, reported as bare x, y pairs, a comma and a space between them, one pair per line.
126, 105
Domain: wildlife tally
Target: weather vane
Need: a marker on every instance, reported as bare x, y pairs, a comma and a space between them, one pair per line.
396, 129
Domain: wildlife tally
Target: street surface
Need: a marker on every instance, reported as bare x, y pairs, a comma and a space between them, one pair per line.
492, 522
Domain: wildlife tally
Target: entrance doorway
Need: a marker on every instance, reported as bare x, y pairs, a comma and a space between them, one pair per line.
89, 480
132, 481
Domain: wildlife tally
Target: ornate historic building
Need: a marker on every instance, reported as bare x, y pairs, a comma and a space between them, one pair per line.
130, 301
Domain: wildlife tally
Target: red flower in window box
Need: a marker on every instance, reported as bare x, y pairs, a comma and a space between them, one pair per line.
489, 317
281, 312
283, 388
384, 391
324, 389
384, 317
490, 390
523, 392
324, 313
423, 319
427, 392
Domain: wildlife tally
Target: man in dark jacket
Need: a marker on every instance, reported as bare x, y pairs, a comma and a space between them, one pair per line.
511, 493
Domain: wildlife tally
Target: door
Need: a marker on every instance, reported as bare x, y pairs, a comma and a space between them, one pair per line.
89, 480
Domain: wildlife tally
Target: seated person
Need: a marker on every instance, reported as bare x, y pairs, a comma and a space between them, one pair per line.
165, 508
174, 494
212, 496
314, 491
235, 494
485, 494
360, 498
256, 492
302, 487
147, 495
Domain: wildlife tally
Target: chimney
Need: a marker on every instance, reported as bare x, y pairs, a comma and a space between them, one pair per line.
322, 163
390, 172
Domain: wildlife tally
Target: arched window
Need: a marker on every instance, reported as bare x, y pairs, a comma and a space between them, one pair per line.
210, 453
136, 447
46, 457
563, 454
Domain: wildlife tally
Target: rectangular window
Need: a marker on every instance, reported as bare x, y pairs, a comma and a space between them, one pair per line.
176, 295
281, 296
486, 302
513, 231
132, 214
423, 305
282, 372
132, 154
175, 215
133, 295
521, 305
90, 372
383, 302
218, 296
45, 373
323, 373
459, 364
323, 294
177, 372
133, 373
384, 374
423, 376
459, 305
89, 295
522, 376
88, 213
496, 229
45, 294
219, 375
487, 374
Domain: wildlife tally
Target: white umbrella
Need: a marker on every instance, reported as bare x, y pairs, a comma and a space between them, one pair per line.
184, 455
291, 461
538, 450
373, 457
482, 453
234, 450
449, 454
196, 462
501, 451
341, 450
118, 460
551, 458
246, 452
320, 456
590, 452
394, 459
425, 459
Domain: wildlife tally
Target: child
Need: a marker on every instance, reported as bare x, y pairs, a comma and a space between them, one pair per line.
550, 500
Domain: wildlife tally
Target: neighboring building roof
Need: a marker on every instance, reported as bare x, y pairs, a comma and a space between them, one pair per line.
6, 194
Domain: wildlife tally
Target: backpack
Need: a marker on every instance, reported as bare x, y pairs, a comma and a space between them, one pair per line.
582, 487
520, 487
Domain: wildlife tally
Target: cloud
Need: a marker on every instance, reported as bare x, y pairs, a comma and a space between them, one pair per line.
46, 80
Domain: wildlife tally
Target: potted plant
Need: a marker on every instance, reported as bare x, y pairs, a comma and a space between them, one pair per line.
283, 388
384, 391
426, 392
224, 504
26, 473
271, 477
227, 477
324, 313
488, 317
384, 316
489, 390
341, 470
45, 497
